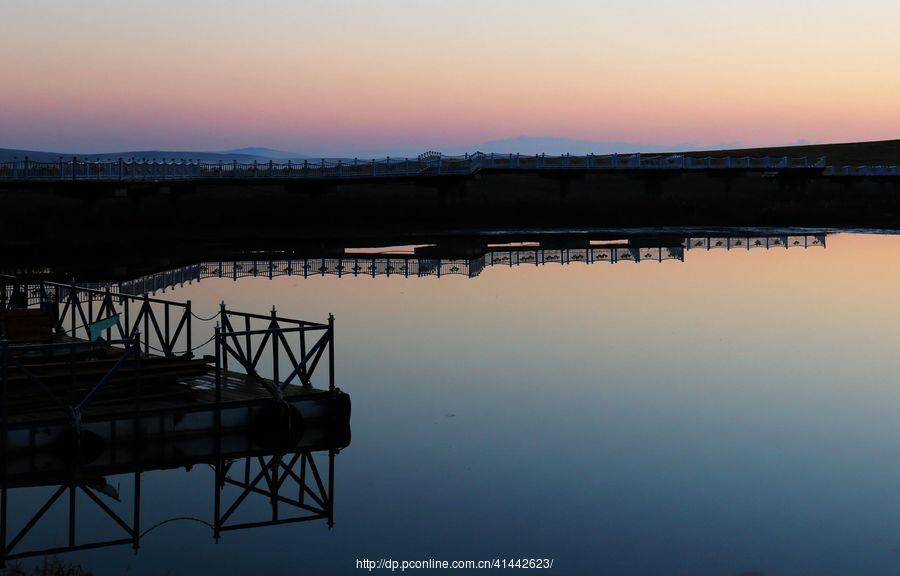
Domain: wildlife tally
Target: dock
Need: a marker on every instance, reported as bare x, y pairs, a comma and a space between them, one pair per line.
114, 367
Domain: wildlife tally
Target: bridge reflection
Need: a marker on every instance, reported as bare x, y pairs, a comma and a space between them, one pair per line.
250, 487
438, 260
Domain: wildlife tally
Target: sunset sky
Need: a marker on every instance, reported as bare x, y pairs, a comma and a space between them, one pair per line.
345, 76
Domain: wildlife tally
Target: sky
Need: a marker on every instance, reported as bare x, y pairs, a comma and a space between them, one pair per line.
347, 76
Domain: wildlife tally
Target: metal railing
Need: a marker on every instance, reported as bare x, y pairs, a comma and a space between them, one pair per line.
165, 324
862, 171
166, 327
249, 339
429, 164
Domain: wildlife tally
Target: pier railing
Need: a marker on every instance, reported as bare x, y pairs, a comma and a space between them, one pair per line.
288, 349
291, 349
432, 164
165, 324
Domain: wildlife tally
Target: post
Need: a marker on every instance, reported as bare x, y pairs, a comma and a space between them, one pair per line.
331, 352
273, 327
62, 171
138, 388
72, 298
146, 310
218, 411
4, 411
167, 345
27, 171
188, 318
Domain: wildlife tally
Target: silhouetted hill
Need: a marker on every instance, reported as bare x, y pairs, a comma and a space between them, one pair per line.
263, 152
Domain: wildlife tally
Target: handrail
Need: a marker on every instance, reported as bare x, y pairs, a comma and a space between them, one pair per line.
430, 163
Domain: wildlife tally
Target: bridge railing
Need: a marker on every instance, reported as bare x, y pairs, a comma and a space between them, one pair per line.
427, 164
862, 171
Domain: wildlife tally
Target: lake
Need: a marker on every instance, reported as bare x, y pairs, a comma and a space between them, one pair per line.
723, 412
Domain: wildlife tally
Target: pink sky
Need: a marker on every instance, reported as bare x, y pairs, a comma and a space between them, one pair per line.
340, 76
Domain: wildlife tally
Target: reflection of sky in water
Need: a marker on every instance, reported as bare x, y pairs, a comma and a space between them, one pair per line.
734, 412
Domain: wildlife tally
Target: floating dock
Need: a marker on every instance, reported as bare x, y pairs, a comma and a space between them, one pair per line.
119, 367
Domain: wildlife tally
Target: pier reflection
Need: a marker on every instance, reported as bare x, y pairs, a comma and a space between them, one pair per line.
462, 258
43, 494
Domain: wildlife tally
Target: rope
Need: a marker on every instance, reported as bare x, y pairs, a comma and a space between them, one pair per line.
197, 347
202, 319
176, 519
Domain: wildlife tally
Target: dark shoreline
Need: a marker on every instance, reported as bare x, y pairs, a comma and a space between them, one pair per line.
56, 215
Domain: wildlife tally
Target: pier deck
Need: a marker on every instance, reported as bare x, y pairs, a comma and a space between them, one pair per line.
147, 382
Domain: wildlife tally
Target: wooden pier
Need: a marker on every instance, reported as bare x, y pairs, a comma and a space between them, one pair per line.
118, 367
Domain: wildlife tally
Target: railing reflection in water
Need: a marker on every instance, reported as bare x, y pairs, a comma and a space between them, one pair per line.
51, 505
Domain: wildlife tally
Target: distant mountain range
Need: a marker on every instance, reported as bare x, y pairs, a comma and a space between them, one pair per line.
264, 153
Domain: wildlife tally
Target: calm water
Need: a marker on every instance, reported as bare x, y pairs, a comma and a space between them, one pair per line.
737, 412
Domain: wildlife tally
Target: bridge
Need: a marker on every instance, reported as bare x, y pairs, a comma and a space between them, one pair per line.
425, 165
425, 265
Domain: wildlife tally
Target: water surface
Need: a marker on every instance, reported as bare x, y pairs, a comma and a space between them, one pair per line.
734, 412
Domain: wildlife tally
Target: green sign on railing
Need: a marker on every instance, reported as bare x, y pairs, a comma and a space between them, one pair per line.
96, 328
